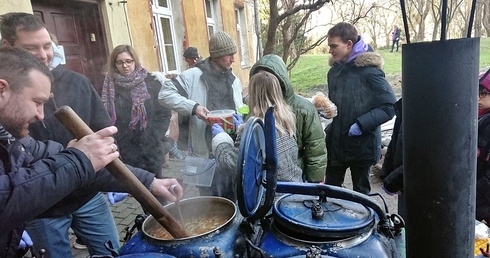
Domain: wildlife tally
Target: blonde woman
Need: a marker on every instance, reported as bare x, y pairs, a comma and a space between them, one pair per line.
264, 92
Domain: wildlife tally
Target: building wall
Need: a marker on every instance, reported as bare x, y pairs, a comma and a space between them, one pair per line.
131, 23
15, 6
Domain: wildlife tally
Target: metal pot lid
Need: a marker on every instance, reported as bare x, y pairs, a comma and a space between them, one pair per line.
339, 218
257, 162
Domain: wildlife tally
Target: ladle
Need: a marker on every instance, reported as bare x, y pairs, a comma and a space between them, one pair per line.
172, 187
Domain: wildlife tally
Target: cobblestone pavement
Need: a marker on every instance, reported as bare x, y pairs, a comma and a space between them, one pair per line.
126, 211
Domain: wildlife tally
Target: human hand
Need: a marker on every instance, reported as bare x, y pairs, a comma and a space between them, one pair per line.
355, 130
161, 187
116, 197
99, 147
216, 129
25, 240
202, 113
238, 120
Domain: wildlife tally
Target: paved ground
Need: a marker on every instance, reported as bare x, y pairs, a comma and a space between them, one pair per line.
126, 211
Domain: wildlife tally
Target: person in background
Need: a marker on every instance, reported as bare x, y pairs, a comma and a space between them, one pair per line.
210, 85
130, 95
483, 158
264, 92
312, 156
86, 212
36, 175
364, 99
191, 57
395, 37
392, 168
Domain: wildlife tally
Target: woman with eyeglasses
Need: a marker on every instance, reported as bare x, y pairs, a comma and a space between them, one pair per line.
483, 158
130, 95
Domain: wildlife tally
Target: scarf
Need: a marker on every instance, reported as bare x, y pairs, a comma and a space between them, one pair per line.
139, 94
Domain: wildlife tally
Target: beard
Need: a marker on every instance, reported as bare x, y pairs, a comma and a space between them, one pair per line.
12, 119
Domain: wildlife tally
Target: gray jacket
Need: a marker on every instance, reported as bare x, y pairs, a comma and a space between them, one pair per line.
196, 89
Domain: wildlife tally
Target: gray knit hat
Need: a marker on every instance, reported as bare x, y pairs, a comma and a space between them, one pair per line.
221, 44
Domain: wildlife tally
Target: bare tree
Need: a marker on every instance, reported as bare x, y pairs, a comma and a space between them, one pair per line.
281, 17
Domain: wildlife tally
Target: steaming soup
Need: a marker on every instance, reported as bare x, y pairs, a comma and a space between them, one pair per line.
194, 226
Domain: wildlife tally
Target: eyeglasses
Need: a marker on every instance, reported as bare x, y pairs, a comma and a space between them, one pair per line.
483, 93
122, 62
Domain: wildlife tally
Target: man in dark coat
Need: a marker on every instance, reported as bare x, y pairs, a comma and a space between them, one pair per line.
35, 175
357, 85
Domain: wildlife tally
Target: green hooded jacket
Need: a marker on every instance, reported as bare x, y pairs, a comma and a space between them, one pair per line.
312, 153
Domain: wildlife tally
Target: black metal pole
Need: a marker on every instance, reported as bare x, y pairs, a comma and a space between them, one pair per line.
440, 89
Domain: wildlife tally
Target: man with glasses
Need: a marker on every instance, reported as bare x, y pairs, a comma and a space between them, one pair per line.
86, 212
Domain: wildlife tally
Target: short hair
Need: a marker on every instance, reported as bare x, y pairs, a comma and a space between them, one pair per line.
265, 91
345, 31
111, 63
10, 22
18, 64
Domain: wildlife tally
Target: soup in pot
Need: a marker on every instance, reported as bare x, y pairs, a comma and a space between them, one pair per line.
194, 226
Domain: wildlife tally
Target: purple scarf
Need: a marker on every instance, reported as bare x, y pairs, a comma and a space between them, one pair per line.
139, 94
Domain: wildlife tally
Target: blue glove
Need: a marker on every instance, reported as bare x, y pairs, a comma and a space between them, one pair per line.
116, 197
25, 240
216, 129
355, 130
238, 120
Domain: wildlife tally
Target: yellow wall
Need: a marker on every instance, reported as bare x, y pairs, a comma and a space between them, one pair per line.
142, 35
139, 34
7, 6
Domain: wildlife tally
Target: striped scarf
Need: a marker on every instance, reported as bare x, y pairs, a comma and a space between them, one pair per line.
139, 94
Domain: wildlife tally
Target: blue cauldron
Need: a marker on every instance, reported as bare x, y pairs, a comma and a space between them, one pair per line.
282, 219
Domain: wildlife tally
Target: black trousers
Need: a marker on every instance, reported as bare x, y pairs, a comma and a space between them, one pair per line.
393, 44
360, 177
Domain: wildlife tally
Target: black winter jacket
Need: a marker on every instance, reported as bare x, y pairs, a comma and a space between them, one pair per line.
363, 96
392, 170
483, 169
30, 183
143, 149
35, 176
75, 90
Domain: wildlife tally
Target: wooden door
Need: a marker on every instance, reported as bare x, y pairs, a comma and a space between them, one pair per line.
78, 28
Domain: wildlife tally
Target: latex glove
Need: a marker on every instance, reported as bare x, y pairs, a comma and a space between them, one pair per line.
238, 120
116, 197
25, 240
216, 129
355, 130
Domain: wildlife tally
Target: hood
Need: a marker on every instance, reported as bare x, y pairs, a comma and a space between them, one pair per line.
363, 60
274, 64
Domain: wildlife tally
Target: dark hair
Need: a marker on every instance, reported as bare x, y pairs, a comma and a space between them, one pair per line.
345, 31
110, 67
11, 22
19, 63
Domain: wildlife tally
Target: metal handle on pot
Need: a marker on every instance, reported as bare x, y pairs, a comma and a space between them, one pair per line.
79, 129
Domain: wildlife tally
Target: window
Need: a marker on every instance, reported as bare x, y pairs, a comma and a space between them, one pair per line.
241, 27
213, 19
165, 35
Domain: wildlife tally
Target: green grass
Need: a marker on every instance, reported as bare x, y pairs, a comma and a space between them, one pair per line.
310, 73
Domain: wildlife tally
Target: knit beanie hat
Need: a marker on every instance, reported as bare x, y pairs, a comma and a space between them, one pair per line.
485, 80
221, 44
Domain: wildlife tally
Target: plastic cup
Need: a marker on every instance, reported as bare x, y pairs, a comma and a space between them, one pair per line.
224, 118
